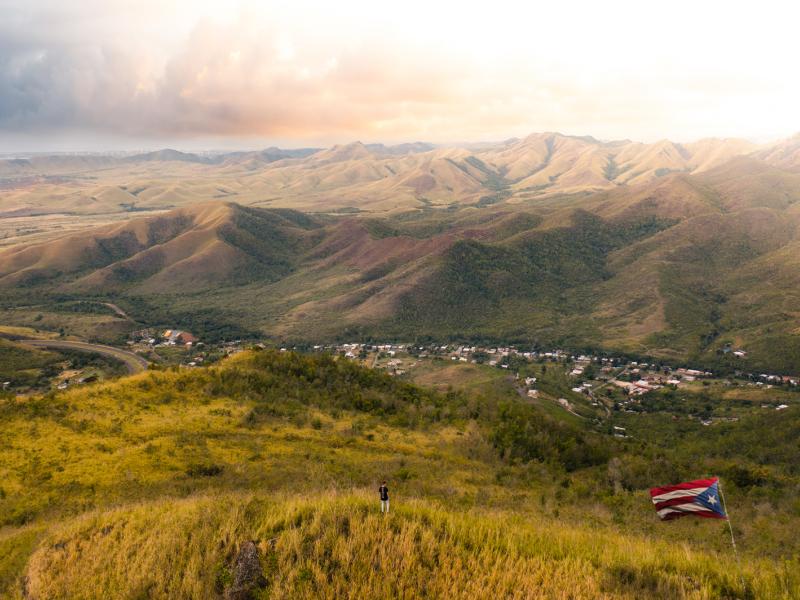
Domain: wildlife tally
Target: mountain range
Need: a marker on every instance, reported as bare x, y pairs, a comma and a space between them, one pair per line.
363, 177
682, 265
675, 264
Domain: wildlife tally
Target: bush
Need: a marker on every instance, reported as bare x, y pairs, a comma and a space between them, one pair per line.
204, 470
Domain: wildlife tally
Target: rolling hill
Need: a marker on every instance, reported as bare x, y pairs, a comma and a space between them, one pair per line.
367, 177
162, 484
189, 249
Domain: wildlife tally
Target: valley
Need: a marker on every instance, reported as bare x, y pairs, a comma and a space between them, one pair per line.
627, 269
522, 337
420, 301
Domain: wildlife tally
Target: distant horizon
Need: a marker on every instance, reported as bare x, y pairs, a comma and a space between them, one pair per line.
230, 145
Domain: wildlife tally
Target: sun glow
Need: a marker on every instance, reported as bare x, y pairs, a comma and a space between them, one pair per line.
324, 72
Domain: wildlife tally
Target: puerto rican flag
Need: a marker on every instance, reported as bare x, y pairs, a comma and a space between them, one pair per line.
699, 498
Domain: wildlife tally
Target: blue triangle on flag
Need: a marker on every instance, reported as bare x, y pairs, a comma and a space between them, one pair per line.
710, 499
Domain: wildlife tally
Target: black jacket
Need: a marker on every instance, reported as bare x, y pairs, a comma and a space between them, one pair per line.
384, 492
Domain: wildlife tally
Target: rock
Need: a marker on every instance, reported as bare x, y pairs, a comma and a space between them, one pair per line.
247, 574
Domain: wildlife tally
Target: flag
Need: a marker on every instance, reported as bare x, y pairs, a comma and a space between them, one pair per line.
699, 498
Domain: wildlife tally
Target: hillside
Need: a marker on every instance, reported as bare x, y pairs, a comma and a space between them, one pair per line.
171, 473
367, 177
676, 268
46, 197
683, 250
188, 249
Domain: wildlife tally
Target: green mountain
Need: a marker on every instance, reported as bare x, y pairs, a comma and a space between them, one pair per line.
678, 268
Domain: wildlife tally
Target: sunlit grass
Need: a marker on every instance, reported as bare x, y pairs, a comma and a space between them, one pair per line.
145, 488
338, 545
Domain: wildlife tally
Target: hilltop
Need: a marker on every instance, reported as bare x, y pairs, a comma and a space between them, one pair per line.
366, 177
171, 473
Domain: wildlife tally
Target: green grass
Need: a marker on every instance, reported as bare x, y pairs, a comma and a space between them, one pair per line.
22, 365
145, 487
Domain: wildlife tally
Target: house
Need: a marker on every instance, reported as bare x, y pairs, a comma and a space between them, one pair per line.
175, 336
643, 386
533, 393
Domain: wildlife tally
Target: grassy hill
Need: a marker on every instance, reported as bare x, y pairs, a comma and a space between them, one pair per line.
151, 486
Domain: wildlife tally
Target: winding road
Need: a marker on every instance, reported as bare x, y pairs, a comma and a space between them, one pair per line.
133, 362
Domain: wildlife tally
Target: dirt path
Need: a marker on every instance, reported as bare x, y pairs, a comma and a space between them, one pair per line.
524, 394
118, 310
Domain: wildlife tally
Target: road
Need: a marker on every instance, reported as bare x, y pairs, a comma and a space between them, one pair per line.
608, 383
133, 362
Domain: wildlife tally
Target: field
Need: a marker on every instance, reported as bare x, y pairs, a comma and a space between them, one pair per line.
288, 450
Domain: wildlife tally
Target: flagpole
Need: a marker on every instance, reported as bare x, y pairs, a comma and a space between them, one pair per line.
730, 528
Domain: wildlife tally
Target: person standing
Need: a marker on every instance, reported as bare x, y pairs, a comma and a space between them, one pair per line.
384, 493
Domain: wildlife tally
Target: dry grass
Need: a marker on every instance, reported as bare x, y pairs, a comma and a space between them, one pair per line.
104, 495
339, 546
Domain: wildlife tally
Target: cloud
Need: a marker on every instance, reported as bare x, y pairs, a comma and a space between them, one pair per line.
224, 79
175, 69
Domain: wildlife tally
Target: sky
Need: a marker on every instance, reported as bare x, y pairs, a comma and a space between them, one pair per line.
203, 74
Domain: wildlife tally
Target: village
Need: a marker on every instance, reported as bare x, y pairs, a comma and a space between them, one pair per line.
589, 372
589, 386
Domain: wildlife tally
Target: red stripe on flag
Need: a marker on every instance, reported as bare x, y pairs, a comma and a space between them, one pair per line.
683, 486
675, 501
